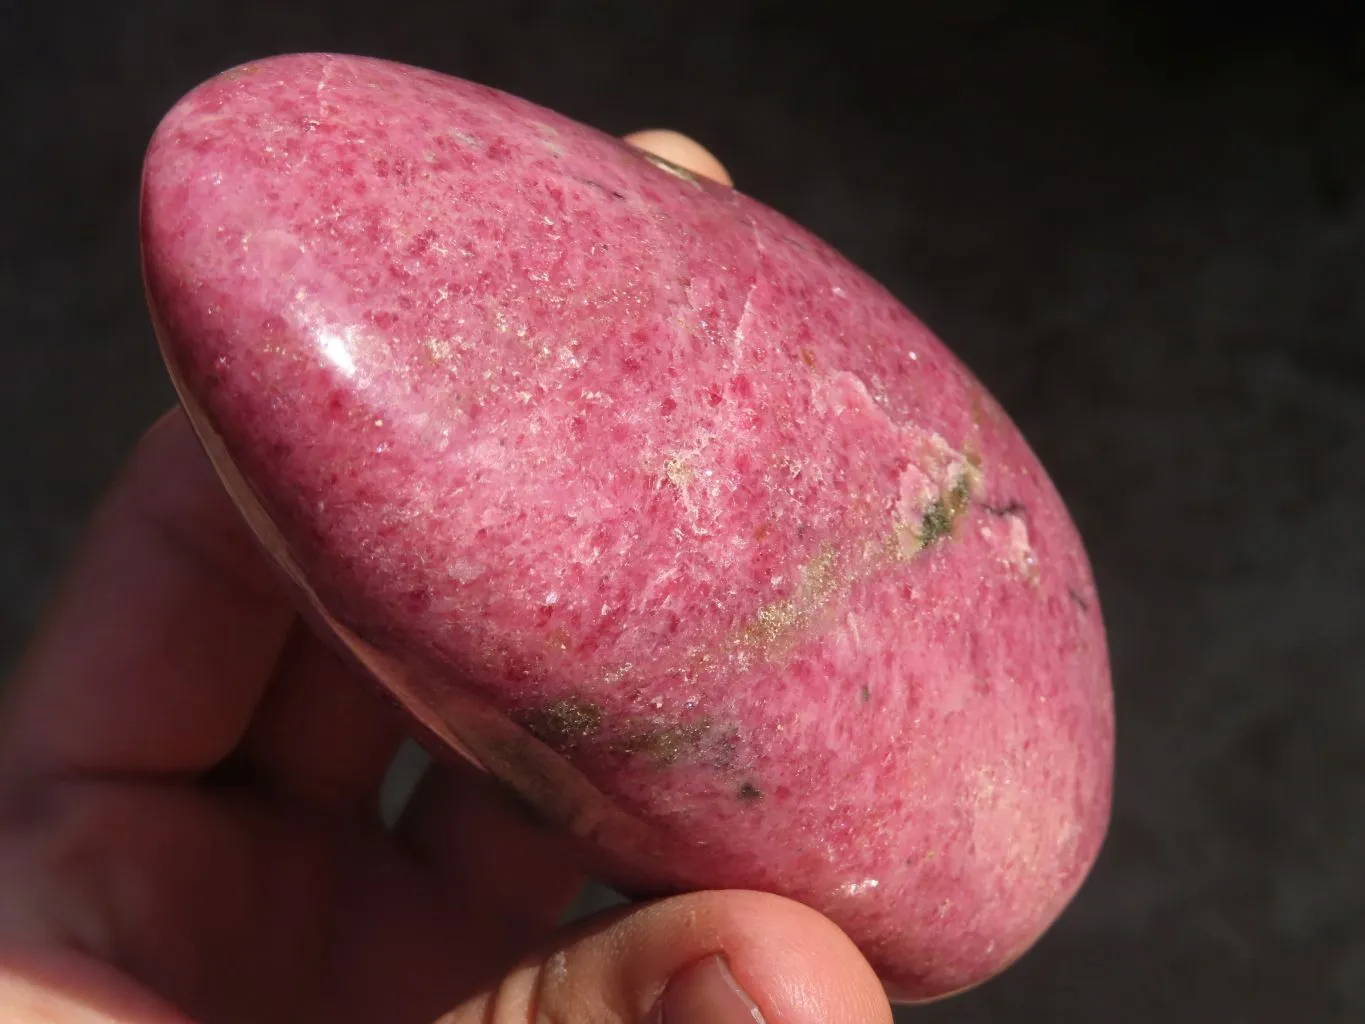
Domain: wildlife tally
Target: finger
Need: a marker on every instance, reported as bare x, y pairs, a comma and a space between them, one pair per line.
322, 735
163, 633
510, 876
681, 150
714, 957
67, 988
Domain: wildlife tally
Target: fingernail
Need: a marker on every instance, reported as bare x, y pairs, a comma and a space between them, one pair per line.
706, 993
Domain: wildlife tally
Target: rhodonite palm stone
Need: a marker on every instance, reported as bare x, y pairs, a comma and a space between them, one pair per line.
643, 498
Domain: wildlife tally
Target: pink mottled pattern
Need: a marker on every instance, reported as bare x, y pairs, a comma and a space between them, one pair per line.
634, 461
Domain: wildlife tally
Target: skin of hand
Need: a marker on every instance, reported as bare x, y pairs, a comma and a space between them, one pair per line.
190, 828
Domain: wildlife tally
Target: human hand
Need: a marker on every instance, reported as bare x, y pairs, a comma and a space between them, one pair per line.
190, 829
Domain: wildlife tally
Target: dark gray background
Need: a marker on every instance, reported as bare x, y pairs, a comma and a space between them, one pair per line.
1141, 224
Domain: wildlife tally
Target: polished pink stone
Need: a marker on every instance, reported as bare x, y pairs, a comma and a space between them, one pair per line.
645, 499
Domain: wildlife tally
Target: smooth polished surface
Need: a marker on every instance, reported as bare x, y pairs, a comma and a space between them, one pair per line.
576, 441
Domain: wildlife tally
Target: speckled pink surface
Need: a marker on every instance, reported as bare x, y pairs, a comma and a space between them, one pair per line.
776, 595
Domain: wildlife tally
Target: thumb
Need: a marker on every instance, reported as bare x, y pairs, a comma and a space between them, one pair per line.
703, 958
